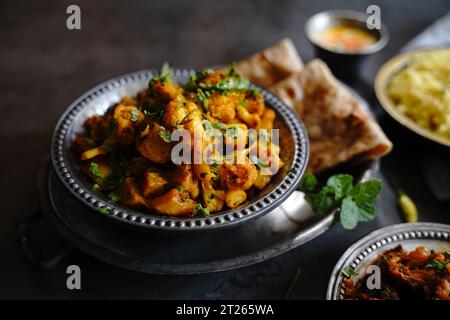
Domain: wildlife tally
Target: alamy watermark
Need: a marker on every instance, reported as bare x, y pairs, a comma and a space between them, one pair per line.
73, 21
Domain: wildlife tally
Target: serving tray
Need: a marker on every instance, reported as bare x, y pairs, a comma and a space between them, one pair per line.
286, 227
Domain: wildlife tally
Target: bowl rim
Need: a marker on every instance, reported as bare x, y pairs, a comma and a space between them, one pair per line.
227, 218
350, 15
385, 74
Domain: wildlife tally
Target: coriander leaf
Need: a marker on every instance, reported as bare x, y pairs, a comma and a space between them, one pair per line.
179, 188
95, 170
289, 170
236, 83
114, 196
255, 93
166, 72
308, 182
342, 185
208, 127
202, 97
134, 114
436, 264
349, 213
232, 132
244, 103
96, 187
215, 167
349, 271
258, 162
153, 112
191, 85
105, 210
165, 135
219, 125
200, 211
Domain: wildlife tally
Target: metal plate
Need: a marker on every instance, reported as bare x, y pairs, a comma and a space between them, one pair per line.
284, 228
293, 148
360, 255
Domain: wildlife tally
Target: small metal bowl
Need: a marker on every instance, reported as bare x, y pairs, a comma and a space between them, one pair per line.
359, 256
345, 65
294, 149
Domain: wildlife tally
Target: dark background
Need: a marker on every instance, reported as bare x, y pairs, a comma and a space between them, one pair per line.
44, 67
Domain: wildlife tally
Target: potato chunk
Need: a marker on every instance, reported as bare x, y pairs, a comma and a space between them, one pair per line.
251, 119
186, 179
233, 198
173, 203
153, 184
213, 198
130, 195
153, 147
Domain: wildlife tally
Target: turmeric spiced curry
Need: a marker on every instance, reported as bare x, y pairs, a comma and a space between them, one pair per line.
127, 152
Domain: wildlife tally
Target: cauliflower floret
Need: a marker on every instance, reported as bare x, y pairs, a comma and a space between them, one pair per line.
165, 91
238, 176
221, 107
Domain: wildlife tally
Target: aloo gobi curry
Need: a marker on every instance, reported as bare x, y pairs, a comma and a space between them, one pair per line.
128, 152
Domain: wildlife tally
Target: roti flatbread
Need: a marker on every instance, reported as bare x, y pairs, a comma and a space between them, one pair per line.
339, 128
271, 65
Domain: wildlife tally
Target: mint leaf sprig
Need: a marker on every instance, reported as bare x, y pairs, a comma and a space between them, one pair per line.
356, 202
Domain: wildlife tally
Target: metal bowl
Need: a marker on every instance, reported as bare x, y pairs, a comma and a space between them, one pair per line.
293, 147
359, 256
384, 75
345, 65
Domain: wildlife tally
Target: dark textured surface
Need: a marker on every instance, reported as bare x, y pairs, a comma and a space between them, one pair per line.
44, 67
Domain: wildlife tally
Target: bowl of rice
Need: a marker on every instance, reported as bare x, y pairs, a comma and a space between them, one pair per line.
414, 88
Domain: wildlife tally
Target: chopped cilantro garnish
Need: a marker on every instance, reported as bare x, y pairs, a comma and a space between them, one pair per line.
179, 188
255, 93
258, 162
195, 78
200, 211
166, 72
219, 125
349, 271
244, 103
114, 196
202, 97
154, 112
105, 210
96, 187
208, 127
436, 264
134, 114
165, 135
95, 170
232, 132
